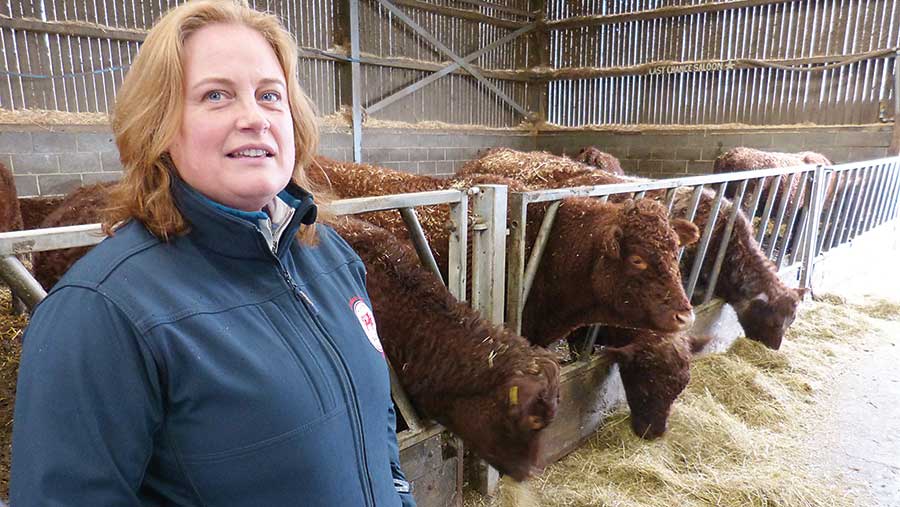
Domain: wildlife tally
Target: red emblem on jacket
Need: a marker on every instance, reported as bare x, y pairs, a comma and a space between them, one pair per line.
367, 321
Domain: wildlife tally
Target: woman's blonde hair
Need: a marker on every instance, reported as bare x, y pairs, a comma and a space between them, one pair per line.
150, 104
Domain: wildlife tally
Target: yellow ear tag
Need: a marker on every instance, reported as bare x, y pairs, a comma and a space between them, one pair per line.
513, 396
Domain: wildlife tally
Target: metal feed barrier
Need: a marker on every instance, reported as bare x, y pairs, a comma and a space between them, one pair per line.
831, 205
419, 442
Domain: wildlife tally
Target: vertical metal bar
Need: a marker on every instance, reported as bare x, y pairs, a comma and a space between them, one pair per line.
356, 78
875, 195
827, 222
767, 211
691, 212
878, 197
886, 214
419, 241
585, 353
850, 211
856, 208
779, 218
865, 212
754, 198
515, 261
786, 240
457, 255
883, 194
711, 220
894, 204
670, 199
403, 402
723, 244
489, 252
888, 188
537, 252
816, 196
845, 191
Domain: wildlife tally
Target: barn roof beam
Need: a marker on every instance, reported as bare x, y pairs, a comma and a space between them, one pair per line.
661, 12
459, 62
810, 64
460, 13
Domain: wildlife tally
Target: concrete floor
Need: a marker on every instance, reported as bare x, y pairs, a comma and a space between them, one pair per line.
860, 435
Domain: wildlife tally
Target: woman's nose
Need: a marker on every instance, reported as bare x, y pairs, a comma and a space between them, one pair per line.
252, 117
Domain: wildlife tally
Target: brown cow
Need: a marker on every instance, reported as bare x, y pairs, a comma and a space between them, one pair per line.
654, 368
746, 159
484, 383
84, 205
626, 253
748, 281
10, 214
592, 156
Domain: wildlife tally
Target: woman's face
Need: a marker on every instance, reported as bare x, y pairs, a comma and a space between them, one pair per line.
236, 142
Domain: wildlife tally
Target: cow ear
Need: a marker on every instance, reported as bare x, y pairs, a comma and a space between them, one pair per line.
698, 342
610, 241
624, 354
687, 232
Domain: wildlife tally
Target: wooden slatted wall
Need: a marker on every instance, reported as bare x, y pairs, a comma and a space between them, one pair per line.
616, 43
71, 55
457, 98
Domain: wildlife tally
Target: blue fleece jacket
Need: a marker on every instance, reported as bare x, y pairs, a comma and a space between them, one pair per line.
208, 370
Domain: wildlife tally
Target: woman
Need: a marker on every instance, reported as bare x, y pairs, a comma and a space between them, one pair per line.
218, 349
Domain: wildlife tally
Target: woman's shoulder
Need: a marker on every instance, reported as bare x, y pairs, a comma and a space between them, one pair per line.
114, 254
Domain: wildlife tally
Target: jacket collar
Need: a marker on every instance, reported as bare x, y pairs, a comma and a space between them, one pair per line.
233, 232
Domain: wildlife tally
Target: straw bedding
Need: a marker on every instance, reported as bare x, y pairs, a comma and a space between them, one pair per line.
10, 329
737, 434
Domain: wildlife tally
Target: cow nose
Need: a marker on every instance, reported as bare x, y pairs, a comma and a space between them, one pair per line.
684, 319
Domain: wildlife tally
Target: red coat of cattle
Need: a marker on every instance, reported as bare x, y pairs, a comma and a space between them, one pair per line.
83, 205
746, 159
748, 281
625, 253
10, 214
592, 156
486, 384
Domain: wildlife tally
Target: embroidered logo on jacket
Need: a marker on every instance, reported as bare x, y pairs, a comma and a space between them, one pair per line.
367, 321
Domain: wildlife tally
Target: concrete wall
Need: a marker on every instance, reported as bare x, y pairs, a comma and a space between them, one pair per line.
668, 153
53, 160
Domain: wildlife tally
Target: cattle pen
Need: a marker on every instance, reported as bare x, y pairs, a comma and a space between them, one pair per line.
425, 87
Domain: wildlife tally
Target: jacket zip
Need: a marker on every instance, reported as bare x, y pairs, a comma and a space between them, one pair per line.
313, 312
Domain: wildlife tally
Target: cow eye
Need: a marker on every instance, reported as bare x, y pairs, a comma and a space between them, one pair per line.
637, 261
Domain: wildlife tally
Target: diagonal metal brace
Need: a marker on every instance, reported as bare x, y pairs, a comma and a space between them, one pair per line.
460, 62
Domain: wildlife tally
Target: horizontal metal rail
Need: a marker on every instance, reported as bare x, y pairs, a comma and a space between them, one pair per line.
41, 240
535, 196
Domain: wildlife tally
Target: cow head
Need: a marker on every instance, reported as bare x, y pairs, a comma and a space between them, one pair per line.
637, 273
765, 319
654, 369
525, 403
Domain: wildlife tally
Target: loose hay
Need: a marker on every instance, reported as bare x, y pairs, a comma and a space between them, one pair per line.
735, 436
10, 329
878, 308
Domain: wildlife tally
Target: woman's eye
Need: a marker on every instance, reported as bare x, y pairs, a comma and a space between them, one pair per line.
215, 96
270, 97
